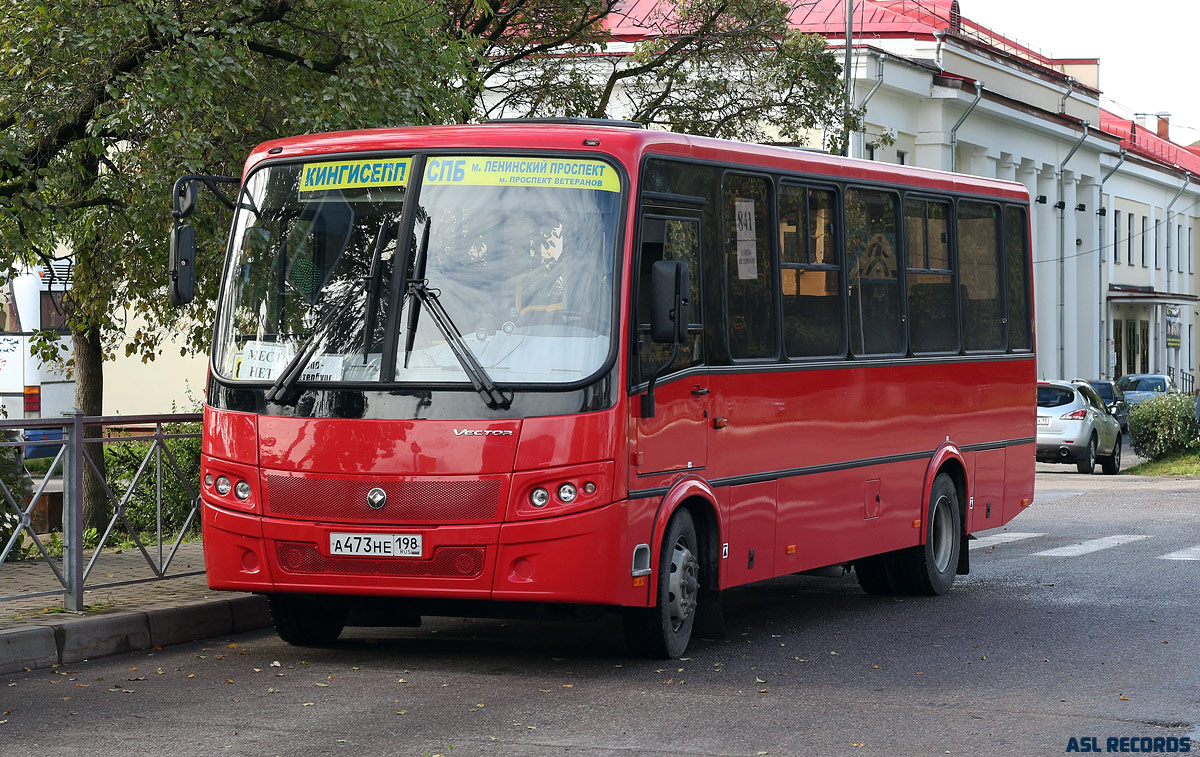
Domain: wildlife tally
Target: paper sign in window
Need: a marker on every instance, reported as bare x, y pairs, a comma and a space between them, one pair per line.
747, 239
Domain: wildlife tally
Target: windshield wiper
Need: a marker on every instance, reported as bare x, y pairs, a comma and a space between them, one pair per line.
281, 390
417, 289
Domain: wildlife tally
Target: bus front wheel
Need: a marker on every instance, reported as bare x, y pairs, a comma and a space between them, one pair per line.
304, 620
664, 630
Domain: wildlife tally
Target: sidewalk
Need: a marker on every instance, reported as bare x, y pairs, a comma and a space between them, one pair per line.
38, 633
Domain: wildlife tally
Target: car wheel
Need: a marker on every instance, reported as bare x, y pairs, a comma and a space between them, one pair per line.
1088, 463
1112, 463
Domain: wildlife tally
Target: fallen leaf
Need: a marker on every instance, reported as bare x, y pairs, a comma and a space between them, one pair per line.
758, 680
276, 664
309, 704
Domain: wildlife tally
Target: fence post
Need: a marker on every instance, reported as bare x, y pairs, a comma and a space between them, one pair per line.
73, 512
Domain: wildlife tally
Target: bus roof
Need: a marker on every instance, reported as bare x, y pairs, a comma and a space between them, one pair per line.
629, 145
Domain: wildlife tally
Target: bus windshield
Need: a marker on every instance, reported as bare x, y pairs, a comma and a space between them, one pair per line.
518, 262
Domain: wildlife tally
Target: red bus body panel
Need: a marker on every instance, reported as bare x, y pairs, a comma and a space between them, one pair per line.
812, 465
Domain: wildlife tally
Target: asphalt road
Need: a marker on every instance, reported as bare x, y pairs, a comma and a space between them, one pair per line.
1033, 648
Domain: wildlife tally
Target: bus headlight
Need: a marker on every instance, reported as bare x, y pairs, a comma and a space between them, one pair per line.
242, 490
567, 493
539, 498
223, 485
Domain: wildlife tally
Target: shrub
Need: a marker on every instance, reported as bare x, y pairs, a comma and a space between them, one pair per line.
1164, 425
123, 459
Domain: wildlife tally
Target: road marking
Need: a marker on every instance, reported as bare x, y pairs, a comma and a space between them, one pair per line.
1095, 545
1191, 553
994, 539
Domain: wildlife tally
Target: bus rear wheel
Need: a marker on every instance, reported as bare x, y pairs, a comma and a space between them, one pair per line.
305, 620
930, 568
664, 630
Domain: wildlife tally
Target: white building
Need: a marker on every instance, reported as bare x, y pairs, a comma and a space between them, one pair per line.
1115, 204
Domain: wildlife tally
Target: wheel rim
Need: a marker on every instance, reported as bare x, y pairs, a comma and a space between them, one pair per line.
942, 534
1092, 452
683, 584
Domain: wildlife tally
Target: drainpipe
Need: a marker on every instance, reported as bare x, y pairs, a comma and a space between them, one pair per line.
1187, 179
963, 117
1101, 311
1062, 104
1062, 255
874, 88
940, 36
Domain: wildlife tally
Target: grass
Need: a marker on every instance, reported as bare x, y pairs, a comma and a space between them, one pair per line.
1181, 464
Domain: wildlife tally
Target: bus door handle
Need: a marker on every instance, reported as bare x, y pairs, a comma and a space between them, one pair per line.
699, 391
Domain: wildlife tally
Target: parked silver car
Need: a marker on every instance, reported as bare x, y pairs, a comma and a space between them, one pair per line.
1074, 426
1139, 387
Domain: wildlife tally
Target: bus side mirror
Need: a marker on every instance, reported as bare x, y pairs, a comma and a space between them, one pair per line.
182, 274
669, 287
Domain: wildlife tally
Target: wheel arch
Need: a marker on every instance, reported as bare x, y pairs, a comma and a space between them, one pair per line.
697, 497
947, 459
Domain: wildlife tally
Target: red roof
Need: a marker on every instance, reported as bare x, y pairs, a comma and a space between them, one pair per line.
1146, 143
873, 19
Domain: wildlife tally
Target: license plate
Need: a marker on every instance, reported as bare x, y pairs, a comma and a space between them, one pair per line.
375, 545
1043, 420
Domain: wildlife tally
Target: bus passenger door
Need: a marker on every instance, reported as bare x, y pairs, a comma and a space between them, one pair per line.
676, 437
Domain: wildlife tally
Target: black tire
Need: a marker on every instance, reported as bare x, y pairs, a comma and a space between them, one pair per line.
1088, 463
930, 568
875, 574
305, 620
663, 631
1112, 463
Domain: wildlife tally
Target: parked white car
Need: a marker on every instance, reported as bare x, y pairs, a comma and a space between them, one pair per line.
1075, 426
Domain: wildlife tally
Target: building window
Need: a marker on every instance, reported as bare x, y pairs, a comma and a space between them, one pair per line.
1146, 241
1117, 237
1179, 248
901, 157
1129, 242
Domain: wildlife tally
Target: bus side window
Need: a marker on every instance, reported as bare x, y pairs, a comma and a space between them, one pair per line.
979, 276
932, 325
666, 238
873, 270
810, 275
1016, 271
750, 281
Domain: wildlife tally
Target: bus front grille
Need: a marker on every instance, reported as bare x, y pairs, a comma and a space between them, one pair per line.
342, 500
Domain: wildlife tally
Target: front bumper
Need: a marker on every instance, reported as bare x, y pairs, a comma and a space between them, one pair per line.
578, 558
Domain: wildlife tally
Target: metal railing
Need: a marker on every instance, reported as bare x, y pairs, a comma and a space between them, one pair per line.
160, 461
1184, 380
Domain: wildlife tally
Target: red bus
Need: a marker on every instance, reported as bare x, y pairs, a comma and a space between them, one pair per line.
564, 368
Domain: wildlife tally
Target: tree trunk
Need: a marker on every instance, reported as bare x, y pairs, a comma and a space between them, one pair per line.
89, 397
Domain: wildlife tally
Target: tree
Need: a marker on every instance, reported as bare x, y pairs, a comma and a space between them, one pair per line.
722, 68
104, 102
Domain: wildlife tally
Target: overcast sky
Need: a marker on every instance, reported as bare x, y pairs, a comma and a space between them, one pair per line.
1142, 46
